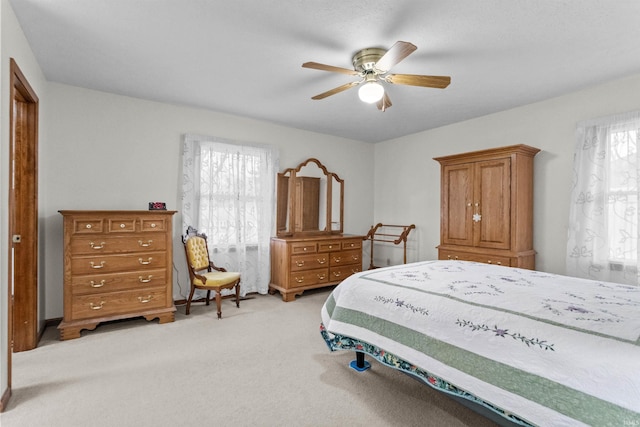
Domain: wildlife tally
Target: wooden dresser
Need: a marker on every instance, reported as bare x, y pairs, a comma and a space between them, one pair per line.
487, 206
117, 265
301, 263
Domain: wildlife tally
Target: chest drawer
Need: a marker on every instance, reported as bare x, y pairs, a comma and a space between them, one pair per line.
105, 244
115, 263
100, 305
102, 283
308, 262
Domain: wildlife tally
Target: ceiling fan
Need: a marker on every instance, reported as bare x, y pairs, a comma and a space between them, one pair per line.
372, 66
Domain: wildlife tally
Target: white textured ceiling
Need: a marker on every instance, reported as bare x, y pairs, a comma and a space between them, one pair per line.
244, 57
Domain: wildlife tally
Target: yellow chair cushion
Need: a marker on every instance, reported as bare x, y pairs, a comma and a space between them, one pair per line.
217, 278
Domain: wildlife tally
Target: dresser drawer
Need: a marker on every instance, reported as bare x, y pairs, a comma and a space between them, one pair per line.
303, 248
99, 244
352, 244
309, 277
101, 283
108, 304
329, 246
337, 274
345, 257
309, 262
116, 263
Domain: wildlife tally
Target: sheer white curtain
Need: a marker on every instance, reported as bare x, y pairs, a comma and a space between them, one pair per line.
228, 193
604, 216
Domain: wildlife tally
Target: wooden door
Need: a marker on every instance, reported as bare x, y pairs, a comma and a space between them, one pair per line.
456, 205
23, 213
492, 204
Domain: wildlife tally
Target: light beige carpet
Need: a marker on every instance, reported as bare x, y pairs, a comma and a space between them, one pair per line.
263, 364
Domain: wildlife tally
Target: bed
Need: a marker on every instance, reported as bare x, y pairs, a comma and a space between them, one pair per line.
536, 348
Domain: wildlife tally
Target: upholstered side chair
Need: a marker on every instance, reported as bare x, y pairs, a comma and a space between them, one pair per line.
204, 274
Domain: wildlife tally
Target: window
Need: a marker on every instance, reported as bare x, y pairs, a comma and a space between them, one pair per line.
622, 198
604, 217
228, 193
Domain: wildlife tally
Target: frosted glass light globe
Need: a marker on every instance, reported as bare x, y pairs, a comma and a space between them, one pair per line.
371, 92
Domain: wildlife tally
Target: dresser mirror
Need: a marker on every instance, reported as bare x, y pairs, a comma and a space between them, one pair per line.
310, 200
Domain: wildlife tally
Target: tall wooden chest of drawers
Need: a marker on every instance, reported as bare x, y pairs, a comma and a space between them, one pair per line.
301, 263
117, 265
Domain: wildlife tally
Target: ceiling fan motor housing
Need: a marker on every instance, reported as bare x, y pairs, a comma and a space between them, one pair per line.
365, 60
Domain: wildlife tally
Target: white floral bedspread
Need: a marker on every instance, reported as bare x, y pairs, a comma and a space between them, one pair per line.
554, 350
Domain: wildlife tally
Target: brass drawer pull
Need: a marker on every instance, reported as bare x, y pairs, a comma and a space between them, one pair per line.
95, 306
322, 260
145, 300
145, 245
355, 257
337, 273
300, 263
98, 246
321, 276
147, 280
93, 284
93, 264
299, 279
337, 259
147, 262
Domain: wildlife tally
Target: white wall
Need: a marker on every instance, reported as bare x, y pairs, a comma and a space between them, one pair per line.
107, 151
13, 44
407, 179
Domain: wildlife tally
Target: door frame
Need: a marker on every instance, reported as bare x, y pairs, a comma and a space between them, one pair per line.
23, 214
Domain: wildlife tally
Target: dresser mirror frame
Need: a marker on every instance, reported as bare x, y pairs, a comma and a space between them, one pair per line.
310, 201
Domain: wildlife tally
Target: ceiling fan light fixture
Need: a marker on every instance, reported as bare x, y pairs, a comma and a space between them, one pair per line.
371, 92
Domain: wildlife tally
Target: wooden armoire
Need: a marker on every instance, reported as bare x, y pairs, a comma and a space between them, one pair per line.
486, 206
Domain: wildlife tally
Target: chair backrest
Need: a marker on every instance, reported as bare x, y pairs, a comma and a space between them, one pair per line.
195, 247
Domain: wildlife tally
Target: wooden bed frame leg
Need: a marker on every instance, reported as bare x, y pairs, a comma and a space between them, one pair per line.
360, 364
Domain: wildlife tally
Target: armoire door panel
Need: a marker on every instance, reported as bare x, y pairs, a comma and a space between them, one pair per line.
457, 225
492, 194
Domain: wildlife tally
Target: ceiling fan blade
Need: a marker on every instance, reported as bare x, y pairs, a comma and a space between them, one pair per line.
336, 90
397, 53
331, 68
439, 82
384, 103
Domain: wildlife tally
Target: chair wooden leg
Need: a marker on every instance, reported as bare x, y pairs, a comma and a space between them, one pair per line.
193, 289
208, 296
238, 294
219, 303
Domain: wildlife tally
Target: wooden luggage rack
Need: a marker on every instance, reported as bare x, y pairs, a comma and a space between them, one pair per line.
375, 234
